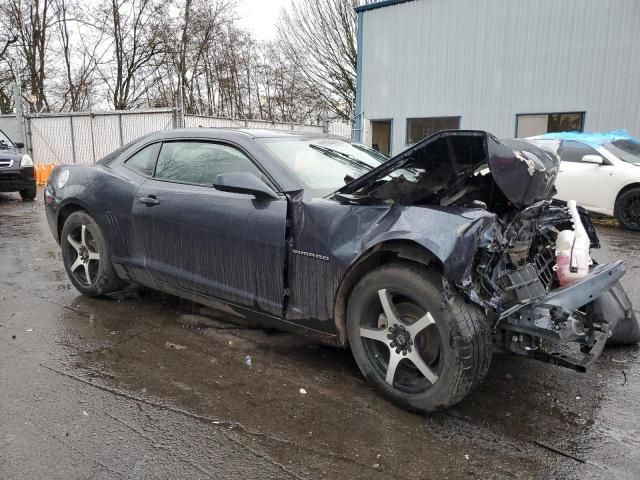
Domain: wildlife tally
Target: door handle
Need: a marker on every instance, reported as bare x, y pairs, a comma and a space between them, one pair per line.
149, 201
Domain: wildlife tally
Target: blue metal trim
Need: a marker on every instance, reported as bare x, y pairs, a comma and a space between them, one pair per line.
357, 131
385, 3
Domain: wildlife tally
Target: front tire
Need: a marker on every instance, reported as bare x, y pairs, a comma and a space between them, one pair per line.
627, 209
420, 350
86, 257
28, 194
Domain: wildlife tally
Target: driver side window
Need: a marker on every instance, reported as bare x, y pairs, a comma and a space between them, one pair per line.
572, 151
199, 163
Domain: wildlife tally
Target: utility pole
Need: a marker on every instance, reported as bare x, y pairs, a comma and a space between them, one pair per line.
17, 100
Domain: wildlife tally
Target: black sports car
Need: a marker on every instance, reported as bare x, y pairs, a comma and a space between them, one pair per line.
423, 264
16, 169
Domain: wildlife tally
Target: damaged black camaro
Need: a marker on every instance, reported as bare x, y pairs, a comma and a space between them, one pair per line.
423, 264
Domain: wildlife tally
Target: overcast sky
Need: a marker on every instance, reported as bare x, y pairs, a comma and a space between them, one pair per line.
260, 16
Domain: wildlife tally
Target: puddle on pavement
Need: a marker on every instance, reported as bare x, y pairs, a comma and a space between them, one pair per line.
132, 346
498, 425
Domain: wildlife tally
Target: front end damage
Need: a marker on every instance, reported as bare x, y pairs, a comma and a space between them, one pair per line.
513, 278
511, 269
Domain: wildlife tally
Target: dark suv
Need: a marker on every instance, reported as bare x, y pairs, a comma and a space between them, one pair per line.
16, 169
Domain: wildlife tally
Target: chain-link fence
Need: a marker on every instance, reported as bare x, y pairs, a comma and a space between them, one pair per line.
11, 127
85, 137
193, 121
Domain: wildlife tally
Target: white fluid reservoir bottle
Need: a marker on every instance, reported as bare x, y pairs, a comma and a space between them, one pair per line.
572, 250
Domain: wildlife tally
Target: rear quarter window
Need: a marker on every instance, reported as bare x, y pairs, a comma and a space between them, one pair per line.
144, 161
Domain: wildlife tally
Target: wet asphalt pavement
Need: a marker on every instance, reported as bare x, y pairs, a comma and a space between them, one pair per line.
154, 387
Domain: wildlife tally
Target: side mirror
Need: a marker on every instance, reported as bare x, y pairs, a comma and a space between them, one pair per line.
243, 182
596, 159
19, 144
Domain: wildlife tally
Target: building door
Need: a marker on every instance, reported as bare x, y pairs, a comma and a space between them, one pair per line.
381, 136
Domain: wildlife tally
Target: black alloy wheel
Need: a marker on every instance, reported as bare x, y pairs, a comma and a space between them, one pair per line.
627, 209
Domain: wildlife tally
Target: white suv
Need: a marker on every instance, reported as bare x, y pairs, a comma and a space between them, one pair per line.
601, 171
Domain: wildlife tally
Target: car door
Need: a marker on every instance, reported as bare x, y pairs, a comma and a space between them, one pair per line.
131, 174
584, 182
229, 246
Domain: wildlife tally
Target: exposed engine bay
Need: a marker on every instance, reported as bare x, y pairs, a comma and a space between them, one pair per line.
535, 309
516, 278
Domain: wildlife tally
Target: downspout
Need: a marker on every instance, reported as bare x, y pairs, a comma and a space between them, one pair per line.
357, 130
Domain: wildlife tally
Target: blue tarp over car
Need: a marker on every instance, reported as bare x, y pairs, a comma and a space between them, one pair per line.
590, 138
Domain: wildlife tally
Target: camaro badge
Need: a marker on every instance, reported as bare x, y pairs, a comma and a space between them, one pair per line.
311, 254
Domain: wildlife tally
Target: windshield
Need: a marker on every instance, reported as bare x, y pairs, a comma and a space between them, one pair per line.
626, 150
4, 140
324, 164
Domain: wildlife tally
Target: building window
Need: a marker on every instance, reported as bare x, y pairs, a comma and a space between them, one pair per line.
419, 128
537, 124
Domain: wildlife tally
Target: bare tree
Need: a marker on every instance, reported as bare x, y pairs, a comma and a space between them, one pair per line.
152, 52
184, 43
202, 42
319, 36
6, 76
7, 43
282, 94
30, 21
134, 31
80, 57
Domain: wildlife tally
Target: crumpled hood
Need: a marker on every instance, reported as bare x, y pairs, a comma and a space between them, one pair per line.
524, 172
440, 166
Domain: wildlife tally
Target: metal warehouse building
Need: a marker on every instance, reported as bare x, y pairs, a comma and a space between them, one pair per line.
511, 67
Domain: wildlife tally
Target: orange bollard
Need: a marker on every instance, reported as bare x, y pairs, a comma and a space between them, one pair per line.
48, 172
42, 172
36, 171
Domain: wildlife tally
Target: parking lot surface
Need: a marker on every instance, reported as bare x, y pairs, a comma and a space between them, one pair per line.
155, 387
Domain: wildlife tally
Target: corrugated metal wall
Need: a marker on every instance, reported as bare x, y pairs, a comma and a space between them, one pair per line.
489, 60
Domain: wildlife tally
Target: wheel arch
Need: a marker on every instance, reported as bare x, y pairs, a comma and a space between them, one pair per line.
65, 212
616, 208
380, 254
625, 189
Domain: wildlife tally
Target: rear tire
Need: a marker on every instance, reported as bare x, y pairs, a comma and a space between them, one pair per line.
86, 257
28, 194
420, 350
627, 209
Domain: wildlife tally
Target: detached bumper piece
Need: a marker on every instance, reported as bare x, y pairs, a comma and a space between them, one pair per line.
575, 361
558, 320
